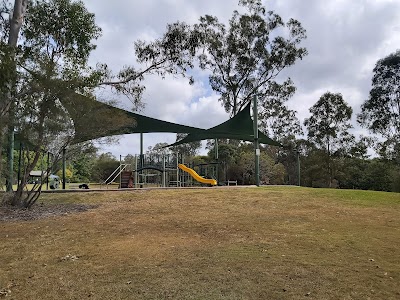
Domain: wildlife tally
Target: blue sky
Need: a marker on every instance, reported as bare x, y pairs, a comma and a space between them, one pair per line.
345, 39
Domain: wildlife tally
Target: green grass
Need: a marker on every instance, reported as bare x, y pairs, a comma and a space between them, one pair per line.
358, 197
228, 243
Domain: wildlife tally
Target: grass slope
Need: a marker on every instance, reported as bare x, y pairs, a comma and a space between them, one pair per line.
238, 243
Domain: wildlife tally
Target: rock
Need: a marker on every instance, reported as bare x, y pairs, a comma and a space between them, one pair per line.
69, 257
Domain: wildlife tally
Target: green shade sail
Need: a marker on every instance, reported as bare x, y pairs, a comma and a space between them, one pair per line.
240, 127
93, 119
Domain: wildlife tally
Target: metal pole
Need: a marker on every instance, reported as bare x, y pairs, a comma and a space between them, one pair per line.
120, 172
136, 172
141, 151
63, 169
216, 158
163, 173
177, 170
19, 164
298, 167
10, 156
141, 163
256, 143
48, 170
183, 174
216, 148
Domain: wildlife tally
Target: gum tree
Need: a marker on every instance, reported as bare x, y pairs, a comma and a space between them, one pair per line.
11, 20
244, 58
52, 65
171, 54
380, 113
53, 62
328, 127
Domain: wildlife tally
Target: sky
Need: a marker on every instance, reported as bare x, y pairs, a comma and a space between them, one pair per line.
345, 39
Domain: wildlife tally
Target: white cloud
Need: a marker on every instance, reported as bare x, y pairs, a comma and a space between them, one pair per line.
345, 39
205, 113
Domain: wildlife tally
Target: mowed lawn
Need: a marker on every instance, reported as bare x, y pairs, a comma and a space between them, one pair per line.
211, 243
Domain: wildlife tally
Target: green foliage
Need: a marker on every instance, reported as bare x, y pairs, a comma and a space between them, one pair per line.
380, 113
187, 149
279, 122
103, 167
196, 160
68, 174
158, 149
227, 152
130, 160
314, 170
396, 179
239, 164
51, 61
328, 128
245, 59
27, 157
277, 174
55, 53
329, 122
359, 147
5, 10
378, 176
349, 172
171, 54
82, 157
67, 32
7, 73
246, 56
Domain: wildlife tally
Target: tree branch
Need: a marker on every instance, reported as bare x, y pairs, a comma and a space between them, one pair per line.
136, 76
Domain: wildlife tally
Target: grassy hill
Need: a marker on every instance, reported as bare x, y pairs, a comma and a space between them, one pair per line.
227, 243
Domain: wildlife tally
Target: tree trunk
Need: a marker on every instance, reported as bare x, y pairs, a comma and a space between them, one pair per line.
16, 21
6, 119
18, 196
329, 163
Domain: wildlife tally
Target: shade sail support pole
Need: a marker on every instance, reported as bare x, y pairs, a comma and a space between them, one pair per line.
256, 142
64, 167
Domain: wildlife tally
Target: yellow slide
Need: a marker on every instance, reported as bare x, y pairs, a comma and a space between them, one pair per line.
197, 176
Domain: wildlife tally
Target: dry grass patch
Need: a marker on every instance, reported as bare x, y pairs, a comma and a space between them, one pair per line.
254, 243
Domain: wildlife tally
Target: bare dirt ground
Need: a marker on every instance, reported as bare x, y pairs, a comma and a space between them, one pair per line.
256, 243
41, 211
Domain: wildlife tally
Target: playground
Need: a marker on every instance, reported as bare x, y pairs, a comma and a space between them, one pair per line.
154, 170
237, 243
170, 170
160, 171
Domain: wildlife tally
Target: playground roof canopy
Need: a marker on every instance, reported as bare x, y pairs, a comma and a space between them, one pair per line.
240, 127
93, 119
